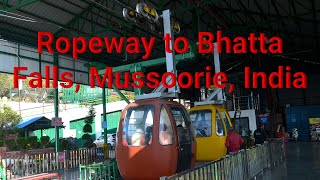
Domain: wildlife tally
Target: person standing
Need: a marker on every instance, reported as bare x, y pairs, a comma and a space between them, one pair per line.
260, 135
281, 134
233, 142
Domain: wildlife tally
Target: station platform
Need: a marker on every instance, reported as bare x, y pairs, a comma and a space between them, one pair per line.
303, 162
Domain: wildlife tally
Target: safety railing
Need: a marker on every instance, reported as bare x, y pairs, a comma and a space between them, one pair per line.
246, 102
38, 163
99, 171
244, 165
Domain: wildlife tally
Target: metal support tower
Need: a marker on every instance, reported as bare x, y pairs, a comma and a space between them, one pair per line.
218, 93
170, 63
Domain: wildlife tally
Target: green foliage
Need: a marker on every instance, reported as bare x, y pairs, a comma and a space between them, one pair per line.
44, 141
8, 118
5, 84
1, 143
28, 94
22, 143
86, 137
91, 114
64, 144
87, 128
89, 144
11, 144
33, 141
248, 139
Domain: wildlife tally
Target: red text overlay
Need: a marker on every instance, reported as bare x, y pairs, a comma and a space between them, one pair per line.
283, 78
96, 45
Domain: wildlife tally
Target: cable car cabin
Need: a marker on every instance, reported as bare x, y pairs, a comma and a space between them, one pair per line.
155, 138
210, 123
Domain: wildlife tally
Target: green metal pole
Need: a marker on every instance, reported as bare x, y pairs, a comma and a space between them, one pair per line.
104, 116
120, 94
56, 105
137, 91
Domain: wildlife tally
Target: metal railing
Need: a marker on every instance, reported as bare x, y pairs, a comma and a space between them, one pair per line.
246, 102
244, 165
38, 163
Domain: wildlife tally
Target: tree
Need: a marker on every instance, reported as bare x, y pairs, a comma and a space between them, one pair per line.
88, 128
8, 118
6, 81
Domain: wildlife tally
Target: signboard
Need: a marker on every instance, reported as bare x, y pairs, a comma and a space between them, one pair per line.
264, 118
56, 121
104, 124
314, 129
61, 157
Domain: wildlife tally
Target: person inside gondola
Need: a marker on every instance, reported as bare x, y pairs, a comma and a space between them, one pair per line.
148, 137
124, 139
164, 137
203, 129
137, 138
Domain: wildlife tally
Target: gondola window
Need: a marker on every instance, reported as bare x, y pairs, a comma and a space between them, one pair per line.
201, 121
219, 125
137, 125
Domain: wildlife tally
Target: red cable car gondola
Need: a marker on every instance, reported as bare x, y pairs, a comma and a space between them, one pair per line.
155, 138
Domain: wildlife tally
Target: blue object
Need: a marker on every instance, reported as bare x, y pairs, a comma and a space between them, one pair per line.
41, 121
298, 117
104, 124
264, 118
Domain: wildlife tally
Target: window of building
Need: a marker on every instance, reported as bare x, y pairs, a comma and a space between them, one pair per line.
166, 136
201, 121
219, 125
138, 123
241, 125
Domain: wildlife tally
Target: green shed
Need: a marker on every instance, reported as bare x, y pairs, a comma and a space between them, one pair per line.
48, 132
78, 126
113, 119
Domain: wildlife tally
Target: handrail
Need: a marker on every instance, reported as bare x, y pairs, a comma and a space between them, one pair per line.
29, 164
246, 102
246, 164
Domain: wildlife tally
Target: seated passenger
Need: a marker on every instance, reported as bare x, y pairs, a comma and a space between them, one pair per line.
164, 137
137, 138
183, 134
219, 131
148, 138
205, 128
124, 141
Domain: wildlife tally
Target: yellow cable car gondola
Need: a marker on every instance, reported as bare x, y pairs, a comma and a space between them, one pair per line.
210, 123
210, 120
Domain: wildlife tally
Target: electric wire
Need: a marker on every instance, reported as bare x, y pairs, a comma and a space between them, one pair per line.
17, 18
17, 14
28, 19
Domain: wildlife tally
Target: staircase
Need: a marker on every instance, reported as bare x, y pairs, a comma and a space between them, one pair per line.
236, 119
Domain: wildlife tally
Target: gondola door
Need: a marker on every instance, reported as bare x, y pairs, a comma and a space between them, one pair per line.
185, 137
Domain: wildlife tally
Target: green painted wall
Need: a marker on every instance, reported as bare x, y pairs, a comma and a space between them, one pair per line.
112, 122
48, 132
78, 126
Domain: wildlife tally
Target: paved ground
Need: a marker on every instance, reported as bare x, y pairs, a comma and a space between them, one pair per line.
71, 174
303, 163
